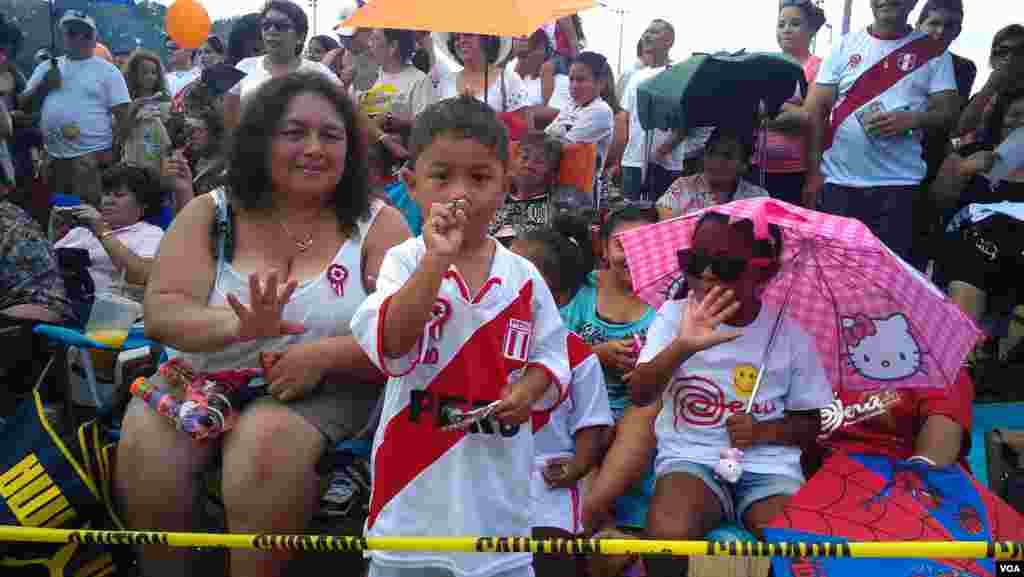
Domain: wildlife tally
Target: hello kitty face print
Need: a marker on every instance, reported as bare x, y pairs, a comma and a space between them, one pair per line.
881, 349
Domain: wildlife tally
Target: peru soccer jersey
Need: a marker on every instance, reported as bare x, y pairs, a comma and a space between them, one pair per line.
871, 76
428, 481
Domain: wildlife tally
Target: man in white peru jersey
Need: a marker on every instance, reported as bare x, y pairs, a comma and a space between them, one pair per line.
459, 324
875, 95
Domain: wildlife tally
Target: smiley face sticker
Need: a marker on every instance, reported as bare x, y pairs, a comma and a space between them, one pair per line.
744, 377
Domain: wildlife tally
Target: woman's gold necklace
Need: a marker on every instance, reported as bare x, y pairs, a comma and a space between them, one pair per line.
302, 244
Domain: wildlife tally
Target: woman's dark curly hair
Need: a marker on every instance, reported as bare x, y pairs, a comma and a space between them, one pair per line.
249, 152
143, 183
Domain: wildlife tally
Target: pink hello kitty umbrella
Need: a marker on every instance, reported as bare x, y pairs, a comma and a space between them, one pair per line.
876, 321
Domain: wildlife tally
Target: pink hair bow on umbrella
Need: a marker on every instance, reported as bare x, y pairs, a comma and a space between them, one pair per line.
856, 329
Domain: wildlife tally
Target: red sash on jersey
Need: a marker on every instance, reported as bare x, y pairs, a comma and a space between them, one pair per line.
896, 66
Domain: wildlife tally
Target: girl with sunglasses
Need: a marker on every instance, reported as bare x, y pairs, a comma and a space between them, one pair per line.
701, 376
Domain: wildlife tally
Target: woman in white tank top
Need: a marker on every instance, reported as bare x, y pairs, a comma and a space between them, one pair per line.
297, 261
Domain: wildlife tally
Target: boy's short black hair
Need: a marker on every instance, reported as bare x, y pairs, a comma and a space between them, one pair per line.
463, 116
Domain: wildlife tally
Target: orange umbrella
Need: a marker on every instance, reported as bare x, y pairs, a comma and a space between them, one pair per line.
511, 18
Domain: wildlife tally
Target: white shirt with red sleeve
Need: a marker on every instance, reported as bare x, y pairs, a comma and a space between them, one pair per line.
587, 405
432, 482
873, 75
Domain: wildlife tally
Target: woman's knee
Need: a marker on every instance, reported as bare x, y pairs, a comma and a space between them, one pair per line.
268, 442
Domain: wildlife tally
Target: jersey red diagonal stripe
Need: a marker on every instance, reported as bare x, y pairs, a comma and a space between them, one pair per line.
881, 77
477, 373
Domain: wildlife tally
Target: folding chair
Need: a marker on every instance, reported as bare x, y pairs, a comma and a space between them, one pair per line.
64, 338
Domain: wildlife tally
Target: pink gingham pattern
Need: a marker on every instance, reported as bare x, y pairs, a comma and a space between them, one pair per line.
833, 268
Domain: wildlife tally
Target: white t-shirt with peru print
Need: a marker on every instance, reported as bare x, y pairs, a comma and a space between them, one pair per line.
716, 383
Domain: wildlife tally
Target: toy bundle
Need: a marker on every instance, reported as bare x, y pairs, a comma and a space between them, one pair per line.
203, 405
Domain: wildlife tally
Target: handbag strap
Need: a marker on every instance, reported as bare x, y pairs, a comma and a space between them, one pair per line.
504, 96
221, 231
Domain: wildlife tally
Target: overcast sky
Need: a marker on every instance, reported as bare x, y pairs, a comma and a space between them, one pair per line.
707, 26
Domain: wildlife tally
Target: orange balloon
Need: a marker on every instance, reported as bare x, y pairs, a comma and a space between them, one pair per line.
188, 24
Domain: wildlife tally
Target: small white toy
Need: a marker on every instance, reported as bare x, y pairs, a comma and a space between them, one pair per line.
730, 467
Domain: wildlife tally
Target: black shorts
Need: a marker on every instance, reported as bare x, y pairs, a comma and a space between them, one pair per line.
987, 255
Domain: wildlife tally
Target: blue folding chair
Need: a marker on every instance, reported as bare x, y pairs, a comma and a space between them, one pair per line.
67, 337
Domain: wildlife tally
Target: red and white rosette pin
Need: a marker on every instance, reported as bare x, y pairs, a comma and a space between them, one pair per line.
337, 275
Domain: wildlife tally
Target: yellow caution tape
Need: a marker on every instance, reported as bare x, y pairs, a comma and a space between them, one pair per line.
346, 544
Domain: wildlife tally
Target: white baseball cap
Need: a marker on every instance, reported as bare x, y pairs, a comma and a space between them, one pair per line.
77, 16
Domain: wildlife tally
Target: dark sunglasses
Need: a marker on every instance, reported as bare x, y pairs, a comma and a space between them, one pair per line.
278, 25
726, 268
1007, 51
788, 3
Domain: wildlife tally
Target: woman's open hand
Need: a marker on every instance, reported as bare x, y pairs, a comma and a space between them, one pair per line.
262, 318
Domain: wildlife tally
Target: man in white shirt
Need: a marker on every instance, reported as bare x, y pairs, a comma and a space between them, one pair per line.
883, 86
660, 161
79, 94
180, 73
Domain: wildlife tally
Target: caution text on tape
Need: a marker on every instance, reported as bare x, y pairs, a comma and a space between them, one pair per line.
350, 544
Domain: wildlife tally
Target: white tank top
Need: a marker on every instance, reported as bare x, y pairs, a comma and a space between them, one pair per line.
324, 304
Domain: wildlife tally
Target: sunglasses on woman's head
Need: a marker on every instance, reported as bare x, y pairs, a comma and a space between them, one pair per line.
726, 268
788, 3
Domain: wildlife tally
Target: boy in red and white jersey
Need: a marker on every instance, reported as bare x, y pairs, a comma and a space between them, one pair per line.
460, 324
